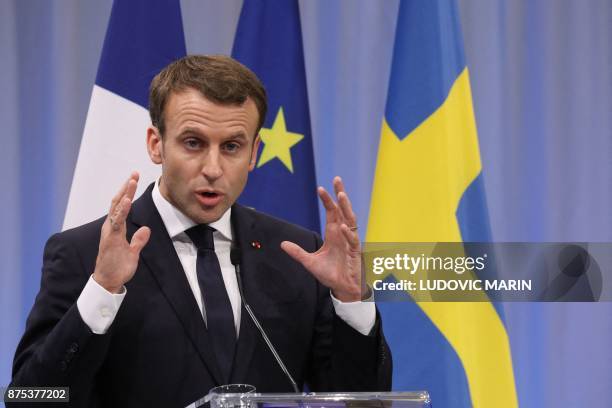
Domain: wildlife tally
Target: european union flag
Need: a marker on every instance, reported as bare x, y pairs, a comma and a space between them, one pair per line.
269, 41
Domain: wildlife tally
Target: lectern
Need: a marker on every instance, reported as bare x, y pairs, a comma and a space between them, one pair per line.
417, 399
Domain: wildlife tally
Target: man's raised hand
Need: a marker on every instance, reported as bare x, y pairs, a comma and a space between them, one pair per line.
337, 264
117, 258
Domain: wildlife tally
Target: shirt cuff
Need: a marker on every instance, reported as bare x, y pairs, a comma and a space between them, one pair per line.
98, 307
361, 316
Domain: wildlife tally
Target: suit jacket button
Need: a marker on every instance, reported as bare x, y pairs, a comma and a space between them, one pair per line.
63, 366
74, 347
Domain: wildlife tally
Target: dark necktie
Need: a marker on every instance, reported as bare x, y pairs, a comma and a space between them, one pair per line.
219, 316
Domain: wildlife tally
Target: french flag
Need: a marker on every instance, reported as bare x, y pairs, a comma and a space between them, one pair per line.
142, 38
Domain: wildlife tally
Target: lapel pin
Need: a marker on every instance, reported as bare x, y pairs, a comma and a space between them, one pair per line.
256, 244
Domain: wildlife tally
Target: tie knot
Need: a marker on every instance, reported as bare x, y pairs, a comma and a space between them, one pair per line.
202, 236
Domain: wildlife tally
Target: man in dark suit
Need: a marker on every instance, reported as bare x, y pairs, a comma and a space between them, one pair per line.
143, 306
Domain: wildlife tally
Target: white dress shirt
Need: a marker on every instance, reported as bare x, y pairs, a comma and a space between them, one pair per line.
98, 307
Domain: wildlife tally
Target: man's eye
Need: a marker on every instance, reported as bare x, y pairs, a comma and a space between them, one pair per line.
231, 146
192, 143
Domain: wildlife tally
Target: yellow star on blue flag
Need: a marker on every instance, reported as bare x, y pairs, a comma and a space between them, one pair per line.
278, 142
269, 41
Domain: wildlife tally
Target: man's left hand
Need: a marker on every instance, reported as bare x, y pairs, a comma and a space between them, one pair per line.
337, 264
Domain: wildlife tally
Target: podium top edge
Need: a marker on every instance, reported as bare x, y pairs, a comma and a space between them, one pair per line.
417, 396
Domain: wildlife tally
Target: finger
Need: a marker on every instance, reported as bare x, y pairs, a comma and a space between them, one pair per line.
351, 237
328, 202
346, 209
132, 186
338, 185
344, 203
122, 191
140, 239
296, 252
131, 189
118, 217
117, 198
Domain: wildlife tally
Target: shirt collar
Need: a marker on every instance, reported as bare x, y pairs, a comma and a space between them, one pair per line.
177, 223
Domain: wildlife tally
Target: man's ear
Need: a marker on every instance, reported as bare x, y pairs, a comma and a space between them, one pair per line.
154, 145
254, 151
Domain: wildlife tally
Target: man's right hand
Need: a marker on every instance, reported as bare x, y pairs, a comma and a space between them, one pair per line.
117, 258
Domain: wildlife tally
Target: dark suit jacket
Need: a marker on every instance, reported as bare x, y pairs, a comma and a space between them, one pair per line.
156, 351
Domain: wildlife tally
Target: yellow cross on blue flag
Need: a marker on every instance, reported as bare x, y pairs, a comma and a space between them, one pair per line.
269, 42
428, 188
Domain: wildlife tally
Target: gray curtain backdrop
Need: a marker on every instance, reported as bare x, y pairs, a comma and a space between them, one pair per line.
541, 74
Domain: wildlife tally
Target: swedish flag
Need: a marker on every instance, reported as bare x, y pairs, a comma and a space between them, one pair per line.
269, 41
428, 188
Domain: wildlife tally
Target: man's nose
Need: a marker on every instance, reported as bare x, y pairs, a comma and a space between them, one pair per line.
211, 169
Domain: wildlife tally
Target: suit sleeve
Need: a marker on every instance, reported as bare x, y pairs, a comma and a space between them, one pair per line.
58, 348
342, 359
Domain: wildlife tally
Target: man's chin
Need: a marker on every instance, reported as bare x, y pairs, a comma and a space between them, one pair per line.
207, 216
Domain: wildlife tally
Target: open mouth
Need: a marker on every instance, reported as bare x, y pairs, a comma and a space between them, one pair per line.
209, 198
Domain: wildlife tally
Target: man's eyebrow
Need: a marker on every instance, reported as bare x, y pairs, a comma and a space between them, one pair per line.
238, 135
191, 130
197, 132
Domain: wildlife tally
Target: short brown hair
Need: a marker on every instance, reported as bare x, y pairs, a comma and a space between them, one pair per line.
219, 78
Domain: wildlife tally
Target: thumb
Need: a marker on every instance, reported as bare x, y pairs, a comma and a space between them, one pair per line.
296, 252
140, 239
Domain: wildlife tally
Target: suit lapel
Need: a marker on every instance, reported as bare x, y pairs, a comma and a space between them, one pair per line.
160, 257
246, 233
